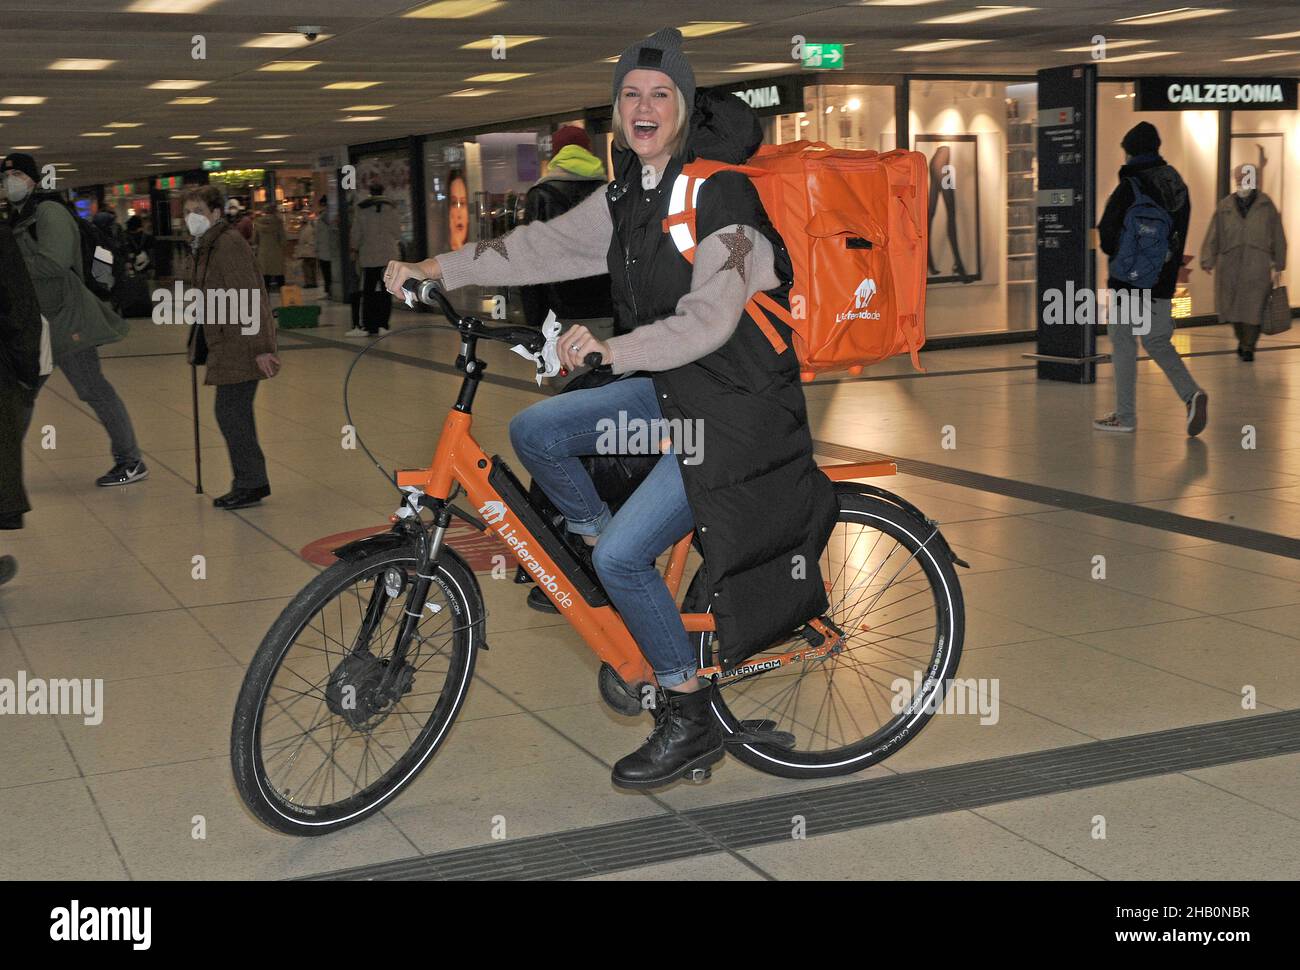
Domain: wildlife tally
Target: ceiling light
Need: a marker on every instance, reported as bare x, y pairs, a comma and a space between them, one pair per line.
499, 76
80, 64
191, 100
1110, 46
1288, 36
10, 114
266, 151
940, 45
128, 146
703, 28
363, 118
455, 9
511, 40
275, 161
289, 66
269, 137
354, 107
154, 165
168, 6
95, 134
164, 154
470, 93
176, 85
750, 67
26, 148
212, 144
124, 124
350, 85
1170, 16
1260, 57
1140, 56
283, 40
184, 137
978, 14
895, 3
854, 104
232, 129
22, 99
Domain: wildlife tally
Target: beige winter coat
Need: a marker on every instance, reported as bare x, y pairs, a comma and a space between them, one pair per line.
1242, 253
269, 238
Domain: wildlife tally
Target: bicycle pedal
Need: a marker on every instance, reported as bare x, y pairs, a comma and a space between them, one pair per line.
761, 732
700, 775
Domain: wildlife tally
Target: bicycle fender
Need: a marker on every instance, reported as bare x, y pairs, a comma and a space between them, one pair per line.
907, 507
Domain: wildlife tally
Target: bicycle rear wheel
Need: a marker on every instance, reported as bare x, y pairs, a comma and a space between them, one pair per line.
316, 745
894, 594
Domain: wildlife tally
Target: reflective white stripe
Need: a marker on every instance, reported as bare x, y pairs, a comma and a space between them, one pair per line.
681, 233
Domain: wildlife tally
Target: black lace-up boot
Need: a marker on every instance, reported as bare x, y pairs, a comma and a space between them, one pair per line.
686, 739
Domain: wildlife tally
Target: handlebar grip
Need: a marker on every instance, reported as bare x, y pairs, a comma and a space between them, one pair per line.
593, 359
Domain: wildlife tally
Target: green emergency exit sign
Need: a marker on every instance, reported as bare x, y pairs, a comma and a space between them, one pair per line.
211, 165
823, 57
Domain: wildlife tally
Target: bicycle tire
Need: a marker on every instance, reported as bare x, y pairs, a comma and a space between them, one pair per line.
460, 589
917, 538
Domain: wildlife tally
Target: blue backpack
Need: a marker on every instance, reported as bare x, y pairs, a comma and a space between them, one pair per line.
1143, 242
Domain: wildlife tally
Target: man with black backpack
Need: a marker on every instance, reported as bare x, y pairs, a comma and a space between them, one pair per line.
74, 272
1143, 230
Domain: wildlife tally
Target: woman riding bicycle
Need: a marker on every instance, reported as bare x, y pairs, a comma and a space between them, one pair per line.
687, 351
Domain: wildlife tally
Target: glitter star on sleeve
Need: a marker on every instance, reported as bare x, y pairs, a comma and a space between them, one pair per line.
498, 246
738, 247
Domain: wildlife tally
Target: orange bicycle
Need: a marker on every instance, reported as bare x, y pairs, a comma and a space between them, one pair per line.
357, 683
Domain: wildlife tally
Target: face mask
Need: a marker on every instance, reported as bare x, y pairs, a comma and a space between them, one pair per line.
197, 224
16, 188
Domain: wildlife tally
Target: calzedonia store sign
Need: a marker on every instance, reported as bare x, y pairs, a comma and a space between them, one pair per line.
1215, 94
777, 96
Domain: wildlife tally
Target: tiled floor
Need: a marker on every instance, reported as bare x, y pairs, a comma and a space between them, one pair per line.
1171, 630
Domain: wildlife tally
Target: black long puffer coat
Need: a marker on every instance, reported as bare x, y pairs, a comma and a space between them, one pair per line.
763, 511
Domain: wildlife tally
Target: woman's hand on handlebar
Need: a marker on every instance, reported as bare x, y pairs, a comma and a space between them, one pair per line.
575, 344
396, 273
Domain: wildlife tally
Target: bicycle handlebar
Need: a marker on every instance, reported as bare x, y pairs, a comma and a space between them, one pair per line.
429, 294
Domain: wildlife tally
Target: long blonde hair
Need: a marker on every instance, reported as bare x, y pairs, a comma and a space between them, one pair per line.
678, 143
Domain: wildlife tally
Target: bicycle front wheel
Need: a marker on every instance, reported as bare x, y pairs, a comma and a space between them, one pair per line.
323, 734
895, 596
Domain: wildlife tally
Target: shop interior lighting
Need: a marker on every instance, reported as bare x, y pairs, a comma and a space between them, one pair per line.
350, 85
1261, 57
191, 100
499, 77
940, 45
284, 40
1141, 56
171, 85
1110, 46
455, 9
81, 64
853, 104
289, 66
706, 28
511, 40
1172, 16
169, 6
978, 14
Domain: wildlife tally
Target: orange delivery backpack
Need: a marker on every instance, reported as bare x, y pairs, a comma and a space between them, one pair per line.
855, 225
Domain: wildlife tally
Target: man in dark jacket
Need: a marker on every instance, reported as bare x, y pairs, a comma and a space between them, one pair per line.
1162, 183
572, 174
23, 368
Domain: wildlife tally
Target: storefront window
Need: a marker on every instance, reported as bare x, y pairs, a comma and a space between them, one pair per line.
977, 137
1189, 142
392, 170
855, 116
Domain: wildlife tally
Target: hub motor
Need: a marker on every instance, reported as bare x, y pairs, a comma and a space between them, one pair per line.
353, 691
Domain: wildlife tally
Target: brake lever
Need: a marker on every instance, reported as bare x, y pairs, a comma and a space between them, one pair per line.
546, 359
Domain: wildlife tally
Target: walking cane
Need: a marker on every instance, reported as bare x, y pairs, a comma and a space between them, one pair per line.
198, 458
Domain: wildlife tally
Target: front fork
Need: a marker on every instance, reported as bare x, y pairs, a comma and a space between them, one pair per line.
430, 544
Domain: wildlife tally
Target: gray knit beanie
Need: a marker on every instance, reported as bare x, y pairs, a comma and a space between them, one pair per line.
662, 51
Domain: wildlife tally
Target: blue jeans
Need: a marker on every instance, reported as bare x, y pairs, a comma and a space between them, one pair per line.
549, 437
